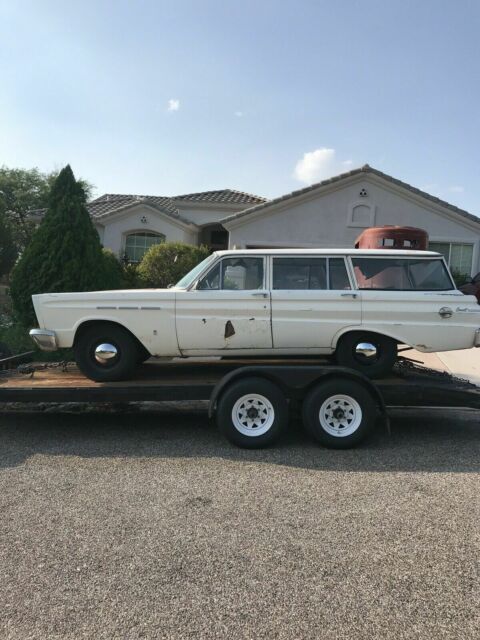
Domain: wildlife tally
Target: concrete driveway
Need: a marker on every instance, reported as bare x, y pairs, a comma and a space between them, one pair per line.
464, 363
143, 526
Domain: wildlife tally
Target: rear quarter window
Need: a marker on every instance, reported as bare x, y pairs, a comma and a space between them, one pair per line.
402, 274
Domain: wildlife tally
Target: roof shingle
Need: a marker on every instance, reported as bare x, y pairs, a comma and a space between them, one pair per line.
222, 196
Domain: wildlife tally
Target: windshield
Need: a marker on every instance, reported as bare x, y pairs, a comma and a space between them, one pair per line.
192, 275
401, 274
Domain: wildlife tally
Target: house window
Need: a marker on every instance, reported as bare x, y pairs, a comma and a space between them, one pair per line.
137, 244
459, 256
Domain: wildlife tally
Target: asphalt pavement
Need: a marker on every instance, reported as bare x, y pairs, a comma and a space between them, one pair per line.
152, 526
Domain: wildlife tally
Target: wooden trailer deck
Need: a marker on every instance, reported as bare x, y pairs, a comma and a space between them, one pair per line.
409, 385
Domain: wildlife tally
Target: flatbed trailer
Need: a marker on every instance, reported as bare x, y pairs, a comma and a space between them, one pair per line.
248, 395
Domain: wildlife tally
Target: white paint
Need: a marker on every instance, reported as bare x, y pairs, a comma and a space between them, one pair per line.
171, 322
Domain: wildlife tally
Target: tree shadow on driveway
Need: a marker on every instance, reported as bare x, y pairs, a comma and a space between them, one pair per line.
425, 440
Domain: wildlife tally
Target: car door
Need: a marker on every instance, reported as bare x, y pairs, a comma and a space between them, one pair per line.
228, 309
312, 299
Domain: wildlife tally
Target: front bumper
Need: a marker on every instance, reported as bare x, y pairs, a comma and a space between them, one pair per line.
476, 342
44, 338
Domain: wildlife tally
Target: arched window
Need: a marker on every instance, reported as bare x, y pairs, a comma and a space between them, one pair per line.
138, 243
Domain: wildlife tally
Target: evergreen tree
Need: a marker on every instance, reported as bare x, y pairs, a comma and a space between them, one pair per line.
65, 253
8, 251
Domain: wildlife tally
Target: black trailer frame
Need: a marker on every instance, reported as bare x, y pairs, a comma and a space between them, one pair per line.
408, 386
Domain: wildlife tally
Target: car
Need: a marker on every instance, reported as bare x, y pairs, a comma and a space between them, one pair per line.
472, 287
355, 304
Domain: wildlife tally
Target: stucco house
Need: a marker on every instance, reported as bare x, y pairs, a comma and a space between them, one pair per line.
331, 213
129, 224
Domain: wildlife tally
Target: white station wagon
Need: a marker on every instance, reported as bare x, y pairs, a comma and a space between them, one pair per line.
356, 304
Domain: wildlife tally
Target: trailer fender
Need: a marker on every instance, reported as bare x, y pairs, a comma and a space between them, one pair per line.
296, 381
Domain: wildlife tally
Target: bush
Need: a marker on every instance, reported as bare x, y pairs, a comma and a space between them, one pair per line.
65, 252
167, 263
460, 278
114, 272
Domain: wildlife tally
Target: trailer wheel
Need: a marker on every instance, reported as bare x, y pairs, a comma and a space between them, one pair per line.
339, 413
372, 354
252, 413
106, 352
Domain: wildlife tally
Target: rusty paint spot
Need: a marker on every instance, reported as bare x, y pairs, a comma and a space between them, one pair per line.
229, 330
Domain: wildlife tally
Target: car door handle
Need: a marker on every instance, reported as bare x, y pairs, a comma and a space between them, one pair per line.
445, 312
349, 295
260, 294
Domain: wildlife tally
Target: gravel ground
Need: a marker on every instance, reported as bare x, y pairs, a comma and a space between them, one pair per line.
152, 526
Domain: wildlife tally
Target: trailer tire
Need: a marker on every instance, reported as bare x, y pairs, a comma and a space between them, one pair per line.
339, 413
351, 353
108, 368
252, 413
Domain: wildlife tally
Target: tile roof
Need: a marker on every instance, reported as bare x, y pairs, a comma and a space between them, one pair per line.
110, 202
366, 169
223, 196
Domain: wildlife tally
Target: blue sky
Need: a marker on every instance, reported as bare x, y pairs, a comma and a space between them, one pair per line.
167, 97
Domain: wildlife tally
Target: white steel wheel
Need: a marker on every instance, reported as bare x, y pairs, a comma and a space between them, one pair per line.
339, 412
340, 415
252, 412
253, 415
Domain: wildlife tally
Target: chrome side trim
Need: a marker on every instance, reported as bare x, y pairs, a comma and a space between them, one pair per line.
44, 338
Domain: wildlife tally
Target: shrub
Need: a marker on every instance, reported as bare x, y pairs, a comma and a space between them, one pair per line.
460, 278
65, 252
114, 272
167, 263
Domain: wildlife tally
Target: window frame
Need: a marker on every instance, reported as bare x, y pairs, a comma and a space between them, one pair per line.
138, 232
450, 243
214, 265
416, 258
327, 258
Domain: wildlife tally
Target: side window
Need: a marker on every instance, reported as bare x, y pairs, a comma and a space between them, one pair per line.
238, 274
299, 273
211, 280
338, 274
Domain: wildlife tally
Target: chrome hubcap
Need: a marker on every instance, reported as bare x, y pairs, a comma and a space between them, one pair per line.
105, 352
366, 350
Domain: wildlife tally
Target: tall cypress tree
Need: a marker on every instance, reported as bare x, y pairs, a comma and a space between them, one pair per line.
65, 253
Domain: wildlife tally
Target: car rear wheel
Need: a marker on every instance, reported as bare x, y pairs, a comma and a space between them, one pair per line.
106, 352
372, 354
339, 413
252, 413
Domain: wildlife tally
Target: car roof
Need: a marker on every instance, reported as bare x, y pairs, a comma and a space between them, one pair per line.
332, 252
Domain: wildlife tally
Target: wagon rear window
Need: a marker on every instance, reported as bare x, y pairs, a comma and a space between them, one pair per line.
401, 274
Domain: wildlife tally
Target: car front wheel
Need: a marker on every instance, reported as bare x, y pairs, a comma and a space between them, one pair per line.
106, 352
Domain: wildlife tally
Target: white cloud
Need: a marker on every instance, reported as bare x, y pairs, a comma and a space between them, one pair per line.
315, 165
456, 189
347, 163
173, 104
239, 114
